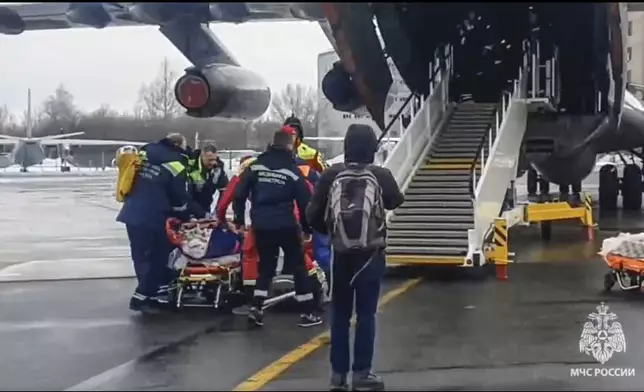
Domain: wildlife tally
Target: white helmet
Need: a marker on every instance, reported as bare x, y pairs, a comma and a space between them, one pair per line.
126, 150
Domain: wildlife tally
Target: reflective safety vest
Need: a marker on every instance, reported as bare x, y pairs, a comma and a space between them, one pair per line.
196, 173
312, 157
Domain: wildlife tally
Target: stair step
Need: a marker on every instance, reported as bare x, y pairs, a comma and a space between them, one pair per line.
431, 177
442, 226
426, 197
428, 242
460, 155
457, 148
427, 234
438, 184
434, 219
473, 113
432, 159
473, 122
429, 166
437, 204
439, 173
462, 137
474, 143
429, 213
426, 250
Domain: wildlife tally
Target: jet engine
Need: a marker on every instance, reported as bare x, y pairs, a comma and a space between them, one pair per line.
339, 89
10, 22
223, 90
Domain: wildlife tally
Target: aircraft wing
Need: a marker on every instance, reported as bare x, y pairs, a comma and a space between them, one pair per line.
89, 142
15, 18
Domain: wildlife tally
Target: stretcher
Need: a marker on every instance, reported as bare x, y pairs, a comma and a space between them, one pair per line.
208, 261
624, 255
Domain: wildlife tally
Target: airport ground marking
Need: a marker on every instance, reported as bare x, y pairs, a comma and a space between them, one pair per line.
271, 372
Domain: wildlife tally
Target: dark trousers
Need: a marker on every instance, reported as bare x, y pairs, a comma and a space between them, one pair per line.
366, 290
150, 250
268, 244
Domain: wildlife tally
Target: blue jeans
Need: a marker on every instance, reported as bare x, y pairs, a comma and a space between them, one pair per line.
366, 289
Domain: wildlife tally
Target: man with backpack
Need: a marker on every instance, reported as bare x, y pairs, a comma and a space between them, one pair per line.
350, 203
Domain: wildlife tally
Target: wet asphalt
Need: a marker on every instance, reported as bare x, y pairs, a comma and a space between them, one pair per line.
64, 326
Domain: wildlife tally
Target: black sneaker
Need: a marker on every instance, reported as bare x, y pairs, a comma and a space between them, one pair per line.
309, 320
146, 306
367, 381
243, 310
338, 382
256, 317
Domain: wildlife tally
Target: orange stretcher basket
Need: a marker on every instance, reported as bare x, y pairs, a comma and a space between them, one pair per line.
621, 263
627, 272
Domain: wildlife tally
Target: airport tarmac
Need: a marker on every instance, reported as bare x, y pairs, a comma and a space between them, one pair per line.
443, 332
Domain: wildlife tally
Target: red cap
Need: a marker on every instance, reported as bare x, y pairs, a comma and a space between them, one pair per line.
289, 129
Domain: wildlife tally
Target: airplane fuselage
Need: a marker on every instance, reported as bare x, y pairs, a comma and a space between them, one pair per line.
587, 40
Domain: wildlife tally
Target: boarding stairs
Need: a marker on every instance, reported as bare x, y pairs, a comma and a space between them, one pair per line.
438, 208
455, 164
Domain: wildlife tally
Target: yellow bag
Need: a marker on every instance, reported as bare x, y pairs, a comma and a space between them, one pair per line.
128, 163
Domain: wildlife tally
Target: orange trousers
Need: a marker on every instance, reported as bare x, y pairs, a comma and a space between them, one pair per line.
250, 259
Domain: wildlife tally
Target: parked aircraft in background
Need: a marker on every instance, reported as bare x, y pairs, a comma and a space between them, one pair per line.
29, 151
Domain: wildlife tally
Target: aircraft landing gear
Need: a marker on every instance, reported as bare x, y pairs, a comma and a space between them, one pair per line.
632, 187
608, 188
65, 169
23, 170
573, 199
535, 181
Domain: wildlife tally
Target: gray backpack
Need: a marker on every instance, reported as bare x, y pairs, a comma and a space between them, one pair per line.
355, 213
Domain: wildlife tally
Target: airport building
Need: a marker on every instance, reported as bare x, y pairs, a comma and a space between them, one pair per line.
635, 53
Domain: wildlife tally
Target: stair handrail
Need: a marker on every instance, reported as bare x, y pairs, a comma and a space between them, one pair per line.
436, 65
396, 156
496, 124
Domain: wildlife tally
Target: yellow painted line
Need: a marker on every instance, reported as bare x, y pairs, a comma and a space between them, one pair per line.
451, 160
258, 380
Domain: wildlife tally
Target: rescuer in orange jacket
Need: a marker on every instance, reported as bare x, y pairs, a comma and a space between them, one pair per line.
250, 257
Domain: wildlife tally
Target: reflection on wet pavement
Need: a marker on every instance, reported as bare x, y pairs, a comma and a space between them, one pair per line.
446, 334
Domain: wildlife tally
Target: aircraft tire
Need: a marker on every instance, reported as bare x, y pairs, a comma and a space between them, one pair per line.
533, 179
632, 187
608, 188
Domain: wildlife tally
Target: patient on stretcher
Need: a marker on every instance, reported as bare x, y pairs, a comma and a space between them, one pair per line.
205, 242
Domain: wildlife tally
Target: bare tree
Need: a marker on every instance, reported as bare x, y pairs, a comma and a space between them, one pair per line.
104, 111
298, 100
156, 100
59, 110
6, 119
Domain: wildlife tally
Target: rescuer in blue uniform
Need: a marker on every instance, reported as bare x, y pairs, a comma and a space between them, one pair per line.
274, 183
160, 191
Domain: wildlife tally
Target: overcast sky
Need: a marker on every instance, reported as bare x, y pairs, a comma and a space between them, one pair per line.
108, 66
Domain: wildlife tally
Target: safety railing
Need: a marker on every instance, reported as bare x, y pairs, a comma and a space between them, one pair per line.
544, 83
424, 117
500, 115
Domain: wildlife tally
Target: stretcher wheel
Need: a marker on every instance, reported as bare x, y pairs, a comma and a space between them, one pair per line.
609, 281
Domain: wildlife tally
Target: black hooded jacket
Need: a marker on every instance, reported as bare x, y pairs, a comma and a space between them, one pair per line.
360, 146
